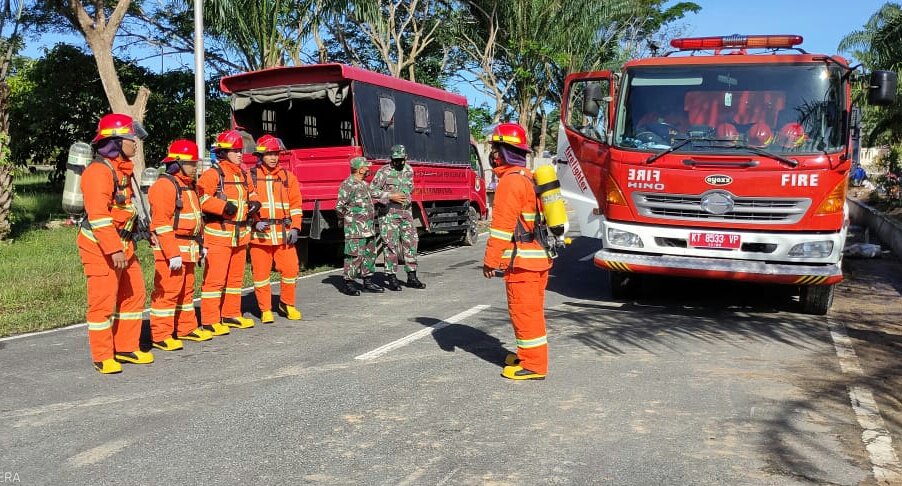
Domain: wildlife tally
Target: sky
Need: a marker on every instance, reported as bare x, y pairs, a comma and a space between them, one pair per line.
822, 24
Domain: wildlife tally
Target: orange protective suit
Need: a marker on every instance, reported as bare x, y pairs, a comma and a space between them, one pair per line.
280, 194
226, 239
115, 297
525, 263
172, 300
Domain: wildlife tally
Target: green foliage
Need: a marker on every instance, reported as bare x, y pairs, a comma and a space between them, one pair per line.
57, 100
878, 45
478, 118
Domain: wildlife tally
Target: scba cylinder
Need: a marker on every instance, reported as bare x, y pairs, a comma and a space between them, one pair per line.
80, 155
553, 206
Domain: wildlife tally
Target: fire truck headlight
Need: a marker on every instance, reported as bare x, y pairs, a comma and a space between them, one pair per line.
812, 249
624, 238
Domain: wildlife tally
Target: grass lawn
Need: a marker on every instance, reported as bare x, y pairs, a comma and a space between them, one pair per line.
44, 284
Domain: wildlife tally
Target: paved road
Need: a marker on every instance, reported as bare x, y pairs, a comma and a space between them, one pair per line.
713, 384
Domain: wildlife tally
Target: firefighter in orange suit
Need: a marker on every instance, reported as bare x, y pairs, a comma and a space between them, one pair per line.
177, 222
107, 250
228, 201
277, 227
513, 248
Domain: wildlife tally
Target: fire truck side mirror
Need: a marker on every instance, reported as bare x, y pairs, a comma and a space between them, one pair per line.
592, 95
882, 88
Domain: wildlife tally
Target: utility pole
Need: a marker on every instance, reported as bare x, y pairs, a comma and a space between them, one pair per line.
200, 91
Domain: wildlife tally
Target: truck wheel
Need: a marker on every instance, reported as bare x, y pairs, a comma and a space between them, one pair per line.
471, 235
816, 299
624, 285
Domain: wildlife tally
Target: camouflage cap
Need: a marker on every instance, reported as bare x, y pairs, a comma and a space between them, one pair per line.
398, 152
358, 162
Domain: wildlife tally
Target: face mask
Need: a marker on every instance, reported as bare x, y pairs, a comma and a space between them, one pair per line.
397, 164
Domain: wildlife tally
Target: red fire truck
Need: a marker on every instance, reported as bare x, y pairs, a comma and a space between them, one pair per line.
725, 159
326, 114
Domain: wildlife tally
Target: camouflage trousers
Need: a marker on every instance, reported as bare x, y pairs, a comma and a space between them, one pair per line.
360, 257
400, 238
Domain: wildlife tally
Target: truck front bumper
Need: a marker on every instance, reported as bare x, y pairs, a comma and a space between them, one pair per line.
719, 268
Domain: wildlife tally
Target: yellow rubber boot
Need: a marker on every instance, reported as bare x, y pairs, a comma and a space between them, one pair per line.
108, 366
216, 329
238, 322
199, 334
289, 311
519, 373
267, 318
169, 344
135, 357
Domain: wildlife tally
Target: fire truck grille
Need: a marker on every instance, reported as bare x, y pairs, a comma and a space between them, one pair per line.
758, 210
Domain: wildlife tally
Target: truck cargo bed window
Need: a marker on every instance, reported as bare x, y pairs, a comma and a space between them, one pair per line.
310, 130
347, 130
386, 111
269, 121
420, 118
450, 124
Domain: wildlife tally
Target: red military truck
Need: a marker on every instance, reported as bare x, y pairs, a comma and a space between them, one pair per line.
326, 114
726, 159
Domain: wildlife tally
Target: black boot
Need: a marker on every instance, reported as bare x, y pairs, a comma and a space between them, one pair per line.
413, 282
369, 286
349, 287
393, 283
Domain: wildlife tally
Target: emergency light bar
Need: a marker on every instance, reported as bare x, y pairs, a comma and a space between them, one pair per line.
742, 41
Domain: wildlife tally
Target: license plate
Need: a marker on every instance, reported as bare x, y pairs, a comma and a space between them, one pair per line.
714, 240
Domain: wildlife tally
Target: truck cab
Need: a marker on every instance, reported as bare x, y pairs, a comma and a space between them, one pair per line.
726, 159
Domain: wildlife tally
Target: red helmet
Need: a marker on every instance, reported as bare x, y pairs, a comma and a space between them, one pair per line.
760, 134
182, 151
269, 143
792, 135
118, 125
727, 131
229, 140
510, 134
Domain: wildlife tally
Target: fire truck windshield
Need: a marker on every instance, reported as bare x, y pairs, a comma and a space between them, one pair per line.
780, 108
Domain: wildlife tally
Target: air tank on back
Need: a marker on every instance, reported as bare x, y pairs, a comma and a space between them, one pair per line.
80, 155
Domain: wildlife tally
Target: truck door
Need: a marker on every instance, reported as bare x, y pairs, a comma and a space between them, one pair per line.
583, 145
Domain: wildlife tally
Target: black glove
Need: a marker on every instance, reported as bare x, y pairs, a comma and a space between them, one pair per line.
253, 207
292, 237
230, 209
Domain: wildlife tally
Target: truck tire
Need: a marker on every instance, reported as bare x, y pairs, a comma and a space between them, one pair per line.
624, 285
816, 299
471, 236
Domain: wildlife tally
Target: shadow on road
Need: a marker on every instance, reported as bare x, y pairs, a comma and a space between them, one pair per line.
469, 339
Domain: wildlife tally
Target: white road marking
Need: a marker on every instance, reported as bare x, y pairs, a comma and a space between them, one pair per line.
422, 333
875, 435
587, 257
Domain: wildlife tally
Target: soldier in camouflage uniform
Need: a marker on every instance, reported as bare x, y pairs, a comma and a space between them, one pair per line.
355, 206
394, 183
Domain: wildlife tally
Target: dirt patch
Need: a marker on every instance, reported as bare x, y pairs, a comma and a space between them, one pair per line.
869, 303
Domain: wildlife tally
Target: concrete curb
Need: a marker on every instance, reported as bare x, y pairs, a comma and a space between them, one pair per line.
887, 230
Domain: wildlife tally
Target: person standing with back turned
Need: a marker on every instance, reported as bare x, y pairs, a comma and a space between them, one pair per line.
513, 248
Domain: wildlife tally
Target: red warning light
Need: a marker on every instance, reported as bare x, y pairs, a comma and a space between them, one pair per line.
739, 41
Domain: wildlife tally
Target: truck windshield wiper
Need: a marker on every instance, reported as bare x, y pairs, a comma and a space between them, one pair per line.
765, 153
675, 147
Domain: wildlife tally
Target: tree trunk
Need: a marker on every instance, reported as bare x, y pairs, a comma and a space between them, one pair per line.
6, 173
6, 200
543, 134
